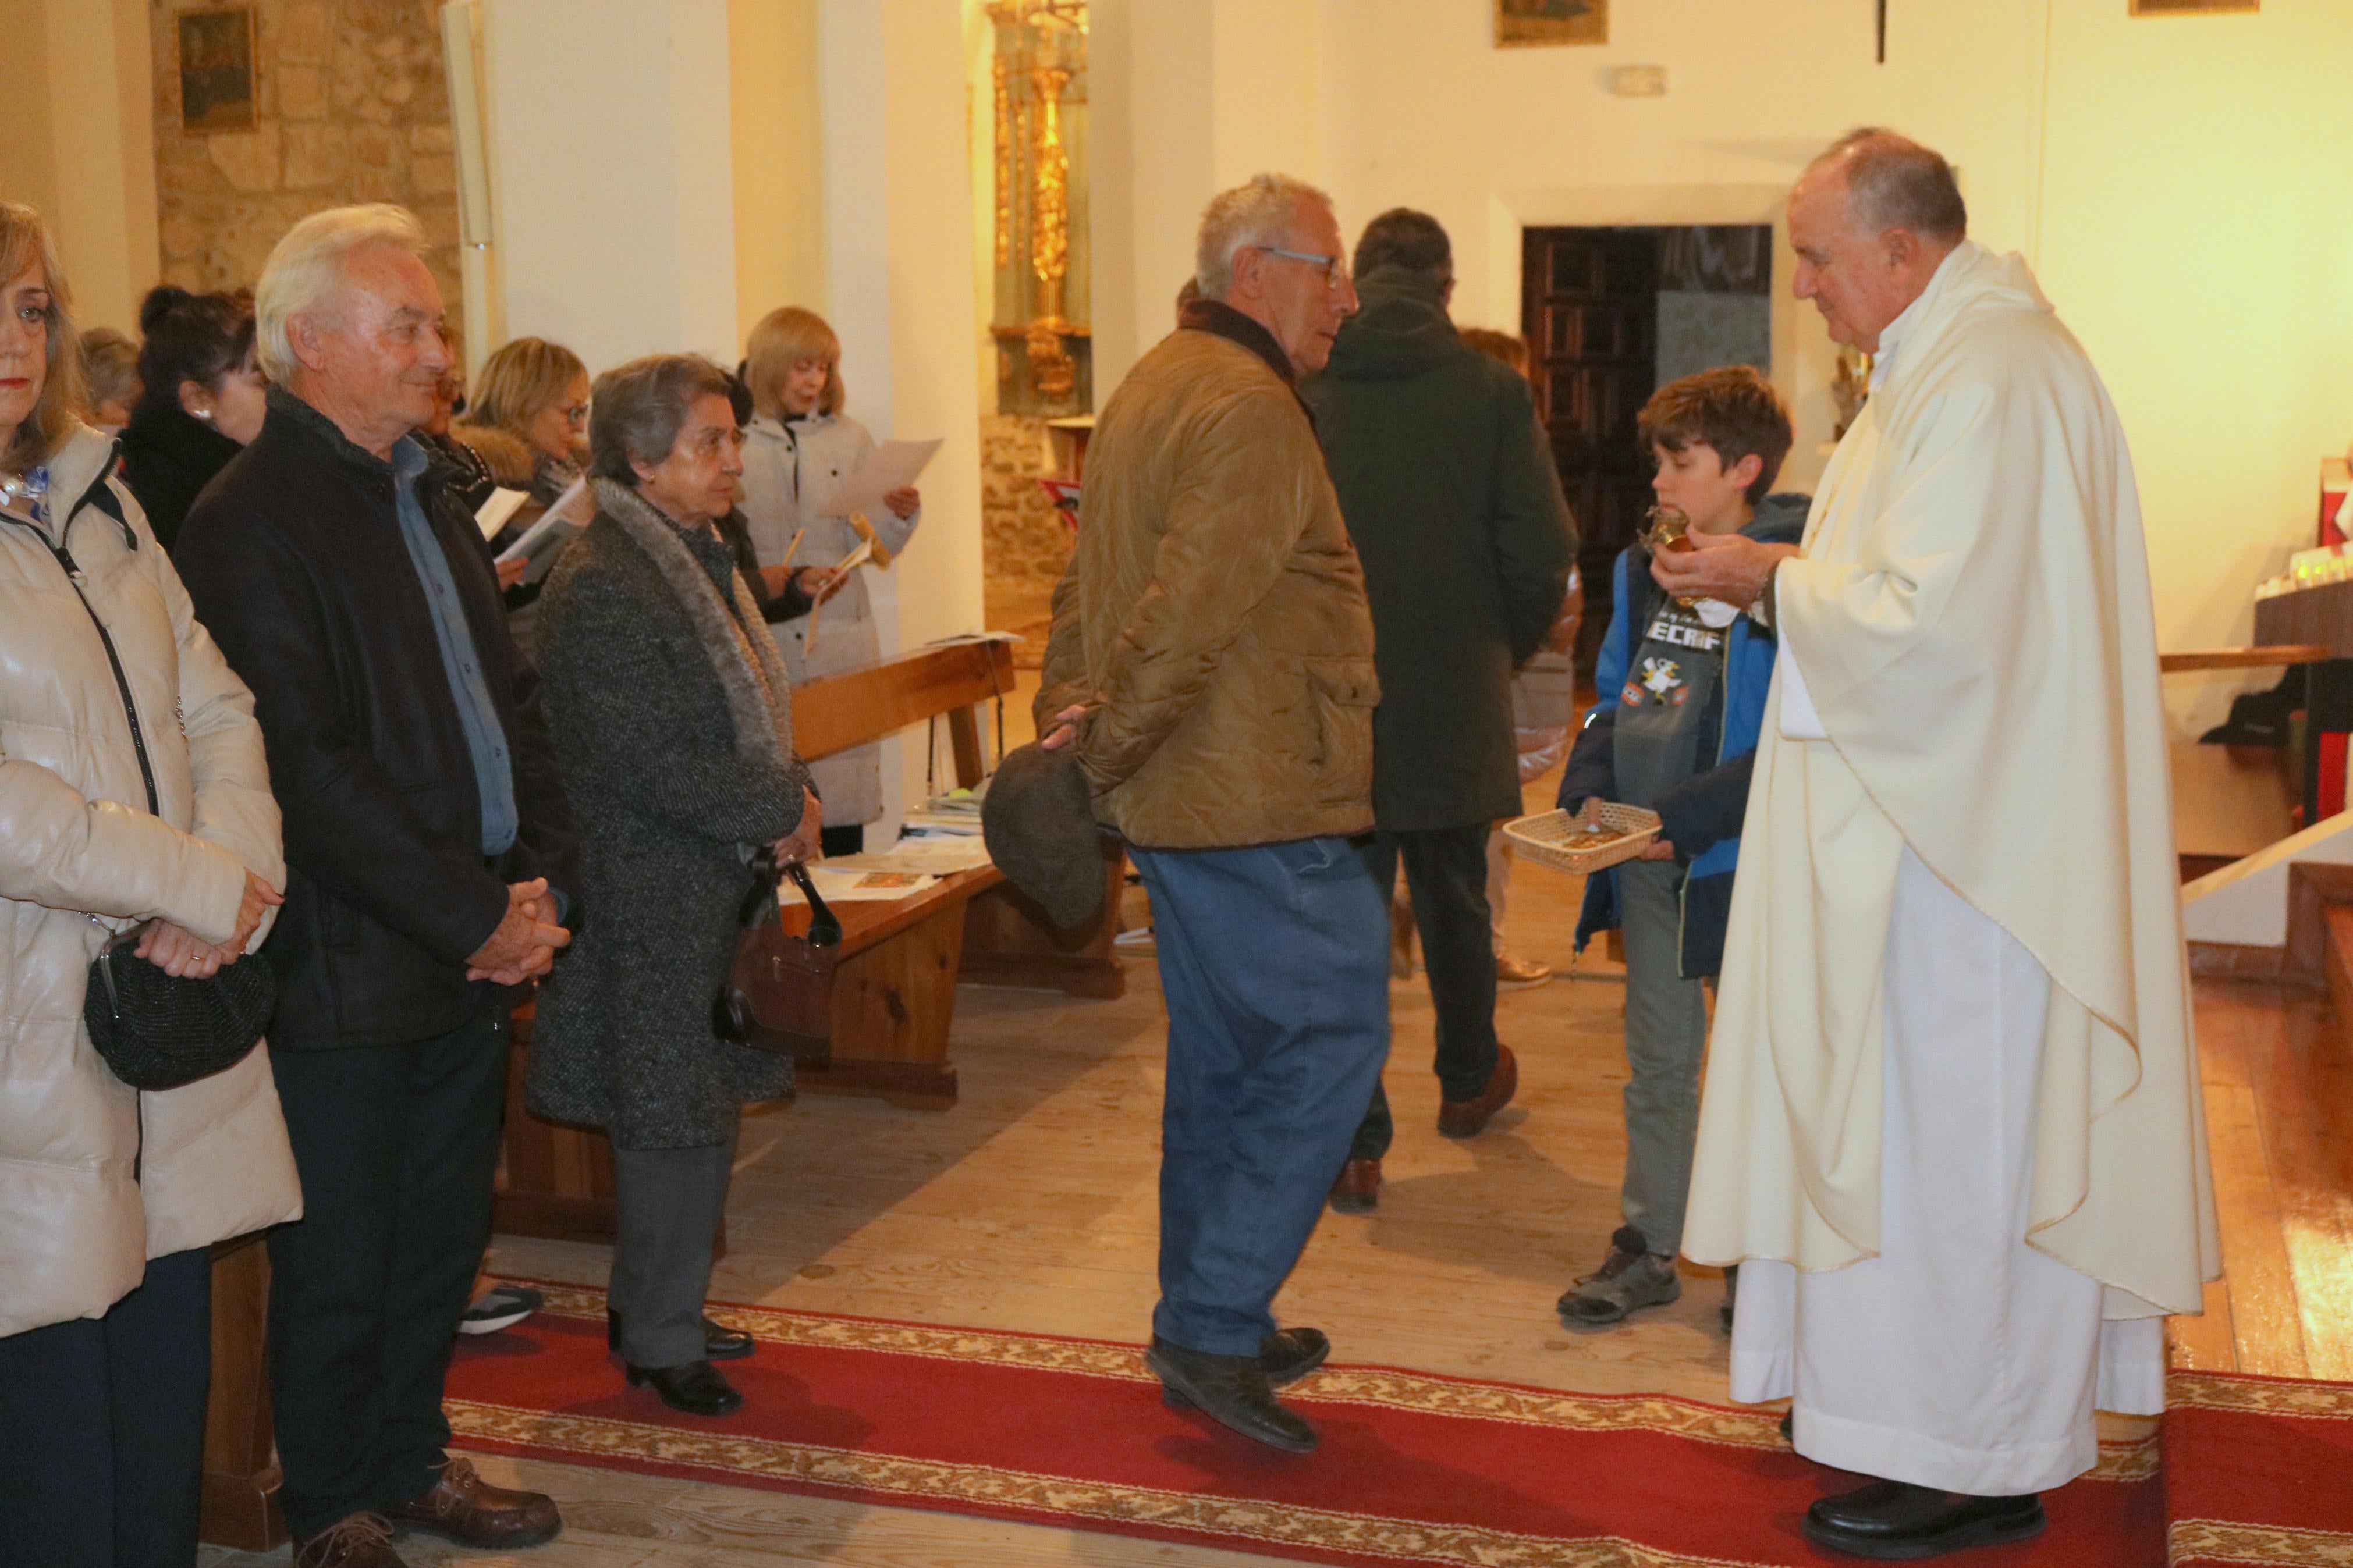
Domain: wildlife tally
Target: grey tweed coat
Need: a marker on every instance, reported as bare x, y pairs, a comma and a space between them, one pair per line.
673, 732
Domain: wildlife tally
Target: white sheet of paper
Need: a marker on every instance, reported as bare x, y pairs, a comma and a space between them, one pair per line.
857, 557
495, 512
885, 468
573, 510
1800, 721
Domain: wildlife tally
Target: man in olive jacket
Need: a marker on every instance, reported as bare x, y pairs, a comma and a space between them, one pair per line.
1212, 663
1451, 496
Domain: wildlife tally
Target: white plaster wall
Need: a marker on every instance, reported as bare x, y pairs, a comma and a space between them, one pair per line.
776, 120
611, 170
898, 220
77, 142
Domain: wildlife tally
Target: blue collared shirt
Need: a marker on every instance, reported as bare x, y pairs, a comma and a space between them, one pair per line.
486, 737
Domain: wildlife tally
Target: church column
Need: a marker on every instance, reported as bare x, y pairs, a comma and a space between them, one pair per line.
611, 172
902, 297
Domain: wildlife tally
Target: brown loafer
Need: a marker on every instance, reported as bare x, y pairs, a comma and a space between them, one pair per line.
466, 1508
355, 1540
1468, 1118
1358, 1190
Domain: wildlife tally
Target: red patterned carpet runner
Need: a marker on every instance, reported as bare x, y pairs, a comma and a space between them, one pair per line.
2258, 1470
1414, 1468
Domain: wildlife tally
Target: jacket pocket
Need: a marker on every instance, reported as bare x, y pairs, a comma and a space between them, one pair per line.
1342, 693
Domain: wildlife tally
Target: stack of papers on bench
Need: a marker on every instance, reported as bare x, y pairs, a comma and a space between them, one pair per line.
958, 812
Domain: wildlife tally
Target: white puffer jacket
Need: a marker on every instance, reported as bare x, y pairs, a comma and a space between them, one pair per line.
81, 860
793, 474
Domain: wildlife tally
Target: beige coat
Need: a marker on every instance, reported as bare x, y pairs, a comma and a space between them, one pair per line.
1972, 619
80, 859
1214, 613
793, 478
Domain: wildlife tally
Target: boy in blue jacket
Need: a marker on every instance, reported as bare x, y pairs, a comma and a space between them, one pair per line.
1682, 697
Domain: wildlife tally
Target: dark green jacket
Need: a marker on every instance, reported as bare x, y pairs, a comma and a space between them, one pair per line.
1448, 489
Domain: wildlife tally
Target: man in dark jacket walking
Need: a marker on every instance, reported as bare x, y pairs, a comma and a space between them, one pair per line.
426, 843
1451, 496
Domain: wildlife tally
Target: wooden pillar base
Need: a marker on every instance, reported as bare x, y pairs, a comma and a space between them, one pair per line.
241, 1477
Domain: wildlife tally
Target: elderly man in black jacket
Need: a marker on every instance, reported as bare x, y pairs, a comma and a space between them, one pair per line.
428, 850
1451, 496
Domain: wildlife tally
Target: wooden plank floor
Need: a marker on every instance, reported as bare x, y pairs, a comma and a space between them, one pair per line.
2279, 1106
1031, 1206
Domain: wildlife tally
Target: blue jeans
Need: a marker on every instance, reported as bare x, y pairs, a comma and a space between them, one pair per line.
1274, 966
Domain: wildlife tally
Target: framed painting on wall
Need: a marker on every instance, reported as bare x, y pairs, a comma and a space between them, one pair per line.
2191, 7
217, 70
1522, 22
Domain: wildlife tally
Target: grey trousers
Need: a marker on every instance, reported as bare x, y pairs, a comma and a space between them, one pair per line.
671, 1203
1666, 1035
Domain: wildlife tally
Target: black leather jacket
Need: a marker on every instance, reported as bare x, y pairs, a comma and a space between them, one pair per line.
294, 558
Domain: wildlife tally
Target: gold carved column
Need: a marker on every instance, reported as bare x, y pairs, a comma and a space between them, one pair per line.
1037, 78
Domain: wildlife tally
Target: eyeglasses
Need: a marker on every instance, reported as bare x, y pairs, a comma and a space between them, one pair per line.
1335, 268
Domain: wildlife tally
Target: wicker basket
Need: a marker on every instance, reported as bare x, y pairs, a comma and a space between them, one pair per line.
1546, 837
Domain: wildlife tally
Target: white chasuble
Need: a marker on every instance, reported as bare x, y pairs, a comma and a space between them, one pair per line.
1972, 616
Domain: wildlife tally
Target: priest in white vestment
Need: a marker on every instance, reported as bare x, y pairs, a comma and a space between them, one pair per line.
1950, 1129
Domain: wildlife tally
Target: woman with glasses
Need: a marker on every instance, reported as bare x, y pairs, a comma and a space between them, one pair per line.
134, 795
529, 417
672, 720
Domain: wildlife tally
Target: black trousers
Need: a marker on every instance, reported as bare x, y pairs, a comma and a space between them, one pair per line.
1446, 872
396, 1146
102, 1428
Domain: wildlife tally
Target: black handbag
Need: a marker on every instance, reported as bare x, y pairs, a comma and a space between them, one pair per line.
156, 1032
153, 1031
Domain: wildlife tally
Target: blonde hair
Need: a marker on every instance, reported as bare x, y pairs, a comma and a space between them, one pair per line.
110, 365
520, 381
24, 241
304, 274
1260, 213
784, 338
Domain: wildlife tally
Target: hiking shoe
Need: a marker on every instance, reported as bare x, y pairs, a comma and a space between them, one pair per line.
1629, 1278
501, 1307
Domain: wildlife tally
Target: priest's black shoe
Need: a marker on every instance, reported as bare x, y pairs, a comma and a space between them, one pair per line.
694, 1387
1231, 1390
719, 1343
1895, 1519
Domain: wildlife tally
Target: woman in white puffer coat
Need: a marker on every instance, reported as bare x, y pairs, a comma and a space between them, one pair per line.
799, 454
111, 692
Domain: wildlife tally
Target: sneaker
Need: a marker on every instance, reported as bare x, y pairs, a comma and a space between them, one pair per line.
1629, 1278
501, 1307
1514, 973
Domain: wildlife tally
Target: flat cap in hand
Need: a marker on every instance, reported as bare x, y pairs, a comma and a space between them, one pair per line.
1038, 823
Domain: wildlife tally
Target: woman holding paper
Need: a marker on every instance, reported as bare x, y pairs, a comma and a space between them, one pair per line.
529, 417
799, 453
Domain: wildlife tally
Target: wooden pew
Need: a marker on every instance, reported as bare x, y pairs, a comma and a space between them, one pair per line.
873, 1015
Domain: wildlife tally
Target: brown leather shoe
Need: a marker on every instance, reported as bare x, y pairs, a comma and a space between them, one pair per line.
466, 1508
1468, 1118
355, 1540
1358, 1190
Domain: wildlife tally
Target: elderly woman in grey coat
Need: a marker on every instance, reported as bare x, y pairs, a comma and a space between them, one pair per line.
671, 715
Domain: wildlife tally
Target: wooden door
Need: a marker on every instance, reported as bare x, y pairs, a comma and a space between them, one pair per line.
1589, 309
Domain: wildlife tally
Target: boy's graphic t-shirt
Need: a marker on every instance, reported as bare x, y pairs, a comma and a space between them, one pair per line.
1663, 705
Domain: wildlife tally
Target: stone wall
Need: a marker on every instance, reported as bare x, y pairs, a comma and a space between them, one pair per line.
1023, 542
350, 105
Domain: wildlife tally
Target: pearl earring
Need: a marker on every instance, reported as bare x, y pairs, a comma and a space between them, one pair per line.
206, 414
